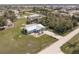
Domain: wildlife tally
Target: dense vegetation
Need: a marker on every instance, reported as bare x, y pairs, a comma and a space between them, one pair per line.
7, 15
59, 23
10, 15
2, 22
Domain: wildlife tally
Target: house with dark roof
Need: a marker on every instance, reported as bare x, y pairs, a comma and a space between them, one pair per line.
34, 18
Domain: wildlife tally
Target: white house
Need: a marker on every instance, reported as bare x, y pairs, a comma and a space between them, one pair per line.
33, 28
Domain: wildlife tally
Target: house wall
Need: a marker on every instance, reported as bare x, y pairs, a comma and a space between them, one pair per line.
34, 20
41, 30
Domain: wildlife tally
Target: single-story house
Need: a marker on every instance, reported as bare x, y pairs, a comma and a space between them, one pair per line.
34, 18
8, 22
33, 28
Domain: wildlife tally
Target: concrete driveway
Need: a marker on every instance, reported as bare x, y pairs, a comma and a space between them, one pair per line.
55, 47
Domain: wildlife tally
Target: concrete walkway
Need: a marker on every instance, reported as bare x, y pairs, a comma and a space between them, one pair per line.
53, 35
55, 47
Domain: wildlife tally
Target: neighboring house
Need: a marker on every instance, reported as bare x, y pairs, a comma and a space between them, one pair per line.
33, 28
64, 14
8, 23
16, 13
34, 18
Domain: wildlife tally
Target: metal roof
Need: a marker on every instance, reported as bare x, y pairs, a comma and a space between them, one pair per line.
31, 27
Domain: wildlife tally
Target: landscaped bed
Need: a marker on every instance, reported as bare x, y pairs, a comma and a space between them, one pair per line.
13, 41
72, 46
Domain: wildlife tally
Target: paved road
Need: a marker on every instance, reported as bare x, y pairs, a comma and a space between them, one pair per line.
55, 47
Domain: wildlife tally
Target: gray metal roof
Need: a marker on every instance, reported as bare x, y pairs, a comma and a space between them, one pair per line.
31, 27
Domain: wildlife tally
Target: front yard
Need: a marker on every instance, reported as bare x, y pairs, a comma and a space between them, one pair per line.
13, 41
72, 46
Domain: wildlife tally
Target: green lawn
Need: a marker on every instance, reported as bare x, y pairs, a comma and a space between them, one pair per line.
13, 41
72, 46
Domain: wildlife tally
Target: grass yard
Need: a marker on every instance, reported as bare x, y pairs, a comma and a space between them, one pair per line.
13, 41
72, 46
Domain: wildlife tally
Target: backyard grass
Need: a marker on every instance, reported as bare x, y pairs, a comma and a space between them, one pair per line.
72, 46
13, 41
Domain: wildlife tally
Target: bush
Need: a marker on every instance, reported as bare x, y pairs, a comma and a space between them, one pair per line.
2, 22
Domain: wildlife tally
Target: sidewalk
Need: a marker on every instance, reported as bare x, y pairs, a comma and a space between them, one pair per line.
55, 47
53, 35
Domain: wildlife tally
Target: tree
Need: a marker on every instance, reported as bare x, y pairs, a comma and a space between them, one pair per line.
44, 21
75, 17
58, 23
2, 22
10, 15
34, 9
